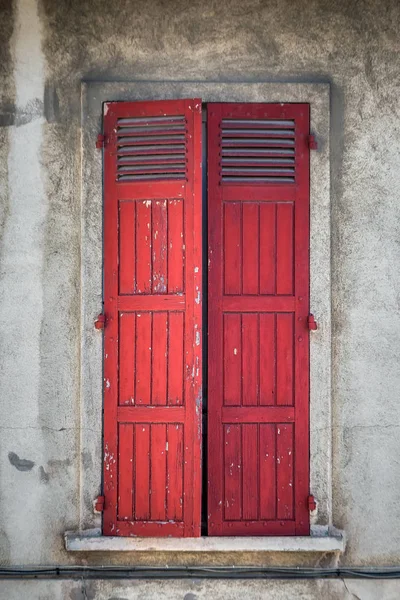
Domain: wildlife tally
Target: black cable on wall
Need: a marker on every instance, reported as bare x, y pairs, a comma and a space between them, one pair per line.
105, 572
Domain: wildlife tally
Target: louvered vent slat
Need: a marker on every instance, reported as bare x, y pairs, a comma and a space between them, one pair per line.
262, 133
152, 121
157, 159
151, 148
279, 162
257, 151
257, 123
257, 141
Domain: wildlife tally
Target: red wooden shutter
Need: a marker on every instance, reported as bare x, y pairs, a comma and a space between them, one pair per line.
152, 284
258, 405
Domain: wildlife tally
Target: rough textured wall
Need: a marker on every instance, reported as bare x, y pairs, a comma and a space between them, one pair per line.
7, 116
55, 45
328, 589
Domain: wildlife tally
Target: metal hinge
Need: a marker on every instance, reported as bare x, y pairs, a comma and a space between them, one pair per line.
312, 142
312, 505
99, 504
101, 141
100, 322
312, 323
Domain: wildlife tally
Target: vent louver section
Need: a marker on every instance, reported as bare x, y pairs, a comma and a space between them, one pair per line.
151, 148
257, 151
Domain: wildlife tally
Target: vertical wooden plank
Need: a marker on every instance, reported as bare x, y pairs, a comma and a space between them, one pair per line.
143, 357
251, 248
142, 471
267, 472
267, 354
175, 359
174, 471
215, 451
192, 329
250, 359
159, 350
176, 243
127, 326
232, 248
250, 473
284, 359
125, 471
233, 472
284, 249
195, 291
126, 228
111, 355
158, 461
302, 346
159, 247
267, 247
284, 468
143, 247
232, 331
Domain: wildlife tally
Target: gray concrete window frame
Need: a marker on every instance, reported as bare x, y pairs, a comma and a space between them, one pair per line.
93, 94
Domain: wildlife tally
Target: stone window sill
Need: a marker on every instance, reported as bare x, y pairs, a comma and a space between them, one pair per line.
93, 541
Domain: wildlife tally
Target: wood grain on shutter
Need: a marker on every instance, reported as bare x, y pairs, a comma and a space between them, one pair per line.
258, 455
152, 349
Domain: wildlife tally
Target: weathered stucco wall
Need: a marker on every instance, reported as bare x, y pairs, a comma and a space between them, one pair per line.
345, 589
46, 49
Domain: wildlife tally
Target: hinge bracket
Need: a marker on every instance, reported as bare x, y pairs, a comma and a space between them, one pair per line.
312, 323
312, 142
100, 322
101, 141
99, 504
312, 505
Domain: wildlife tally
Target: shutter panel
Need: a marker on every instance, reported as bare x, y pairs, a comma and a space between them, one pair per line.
152, 284
258, 169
